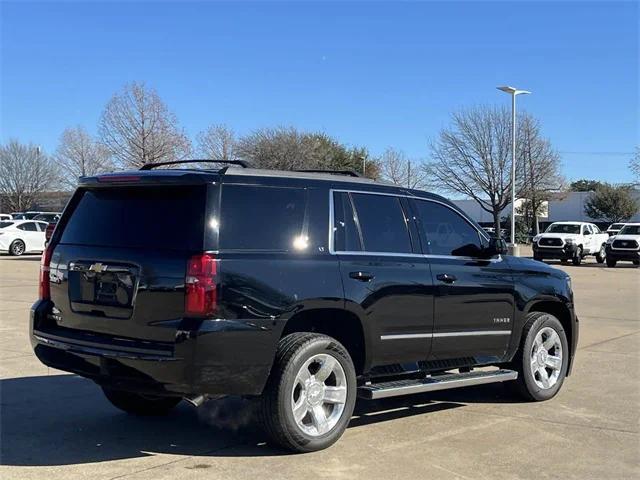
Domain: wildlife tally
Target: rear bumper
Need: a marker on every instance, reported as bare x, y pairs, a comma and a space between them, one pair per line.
630, 255
217, 357
559, 253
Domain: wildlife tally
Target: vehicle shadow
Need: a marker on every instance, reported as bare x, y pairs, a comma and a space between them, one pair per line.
22, 258
65, 419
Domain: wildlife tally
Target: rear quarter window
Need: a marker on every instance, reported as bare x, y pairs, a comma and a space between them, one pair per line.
165, 217
261, 218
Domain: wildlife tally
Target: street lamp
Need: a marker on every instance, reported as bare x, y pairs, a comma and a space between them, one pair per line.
514, 92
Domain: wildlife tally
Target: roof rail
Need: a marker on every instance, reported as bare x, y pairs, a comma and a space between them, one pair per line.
349, 173
150, 166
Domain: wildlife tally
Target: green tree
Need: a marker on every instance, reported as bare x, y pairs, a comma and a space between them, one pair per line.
584, 185
611, 204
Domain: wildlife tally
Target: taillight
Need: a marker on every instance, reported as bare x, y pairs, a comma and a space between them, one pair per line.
201, 296
49, 231
45, 261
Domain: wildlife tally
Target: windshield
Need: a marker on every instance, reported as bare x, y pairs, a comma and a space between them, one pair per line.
630, 230
616, 226
563, 228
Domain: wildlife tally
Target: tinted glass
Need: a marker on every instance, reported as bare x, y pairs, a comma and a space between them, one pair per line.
346, 235
42, 226
261, 218
596, 229
150, 217
28, 227
5, 224
447, 232
630, 230
563, 228
382, 223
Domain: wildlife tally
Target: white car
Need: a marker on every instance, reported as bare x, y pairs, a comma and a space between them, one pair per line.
22, 236
614, 228
5, 216
570, 241
625, 246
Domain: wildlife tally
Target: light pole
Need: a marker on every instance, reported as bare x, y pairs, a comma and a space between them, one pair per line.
514, 92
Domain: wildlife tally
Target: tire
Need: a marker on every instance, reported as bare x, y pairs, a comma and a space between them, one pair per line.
530, 385
611, 262
563, 261
577, 258
636, 262
539, 259
17, 248
601, 256
142, 405
299, 356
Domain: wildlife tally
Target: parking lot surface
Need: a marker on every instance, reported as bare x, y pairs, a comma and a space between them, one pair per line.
55, 425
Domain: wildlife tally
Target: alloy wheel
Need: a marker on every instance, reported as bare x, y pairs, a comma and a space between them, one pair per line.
319, 395
546, 358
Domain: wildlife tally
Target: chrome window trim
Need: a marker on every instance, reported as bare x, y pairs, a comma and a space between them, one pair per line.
407, 336
332, 251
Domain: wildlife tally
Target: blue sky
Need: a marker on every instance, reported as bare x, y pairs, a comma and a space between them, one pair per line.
371, 74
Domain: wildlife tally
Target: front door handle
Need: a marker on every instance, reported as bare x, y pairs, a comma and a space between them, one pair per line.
446, 277
362, 276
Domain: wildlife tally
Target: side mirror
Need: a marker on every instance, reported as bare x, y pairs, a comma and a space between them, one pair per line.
497, 246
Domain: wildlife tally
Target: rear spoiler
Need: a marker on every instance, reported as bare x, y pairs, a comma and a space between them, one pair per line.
144, 178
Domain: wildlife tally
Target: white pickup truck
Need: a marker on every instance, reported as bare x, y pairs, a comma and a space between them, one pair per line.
570, 241
625, 245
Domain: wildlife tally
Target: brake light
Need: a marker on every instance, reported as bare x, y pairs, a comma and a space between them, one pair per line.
44, 287
201, 296
118, 178
49, 231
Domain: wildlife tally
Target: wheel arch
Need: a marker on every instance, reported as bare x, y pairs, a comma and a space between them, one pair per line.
338, 323
563, 313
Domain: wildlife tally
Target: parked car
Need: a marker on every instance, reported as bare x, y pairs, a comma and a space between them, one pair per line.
22, 236
48, 217
570, 241
5, 216
614, 228
300, 290
625, 246
19, 216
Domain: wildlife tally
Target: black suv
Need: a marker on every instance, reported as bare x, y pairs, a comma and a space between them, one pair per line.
303, 290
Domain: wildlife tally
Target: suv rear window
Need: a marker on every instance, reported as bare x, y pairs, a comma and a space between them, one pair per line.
167, 217
382, 223
261, 218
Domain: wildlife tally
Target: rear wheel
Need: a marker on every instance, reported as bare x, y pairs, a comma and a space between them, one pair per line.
611, 262
138, 404
601, 256
577, 258
17, 248
310, 394
542, 359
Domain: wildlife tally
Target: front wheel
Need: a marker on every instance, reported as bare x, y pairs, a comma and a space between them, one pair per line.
601, 256
577, 258
310, 394
542, 359
611, 262
138, 404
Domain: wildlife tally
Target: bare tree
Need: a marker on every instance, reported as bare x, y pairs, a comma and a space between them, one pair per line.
219, 142
25, 173
472, 158
137, 128
397, 168
540, 169
80, 155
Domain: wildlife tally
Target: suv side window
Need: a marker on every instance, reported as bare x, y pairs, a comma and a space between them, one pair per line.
261, 218
586, 230
345, 231
383, 224
447, 232
28, 227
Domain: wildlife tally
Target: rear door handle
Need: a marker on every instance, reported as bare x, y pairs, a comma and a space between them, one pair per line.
362, 276
446, 278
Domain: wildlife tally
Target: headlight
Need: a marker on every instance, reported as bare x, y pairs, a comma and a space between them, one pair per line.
610, 240
568, 241
536, 238
569, 286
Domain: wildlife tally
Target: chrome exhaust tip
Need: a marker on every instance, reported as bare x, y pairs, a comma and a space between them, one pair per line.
196, 400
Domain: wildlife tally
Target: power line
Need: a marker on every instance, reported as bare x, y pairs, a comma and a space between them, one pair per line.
597, 153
